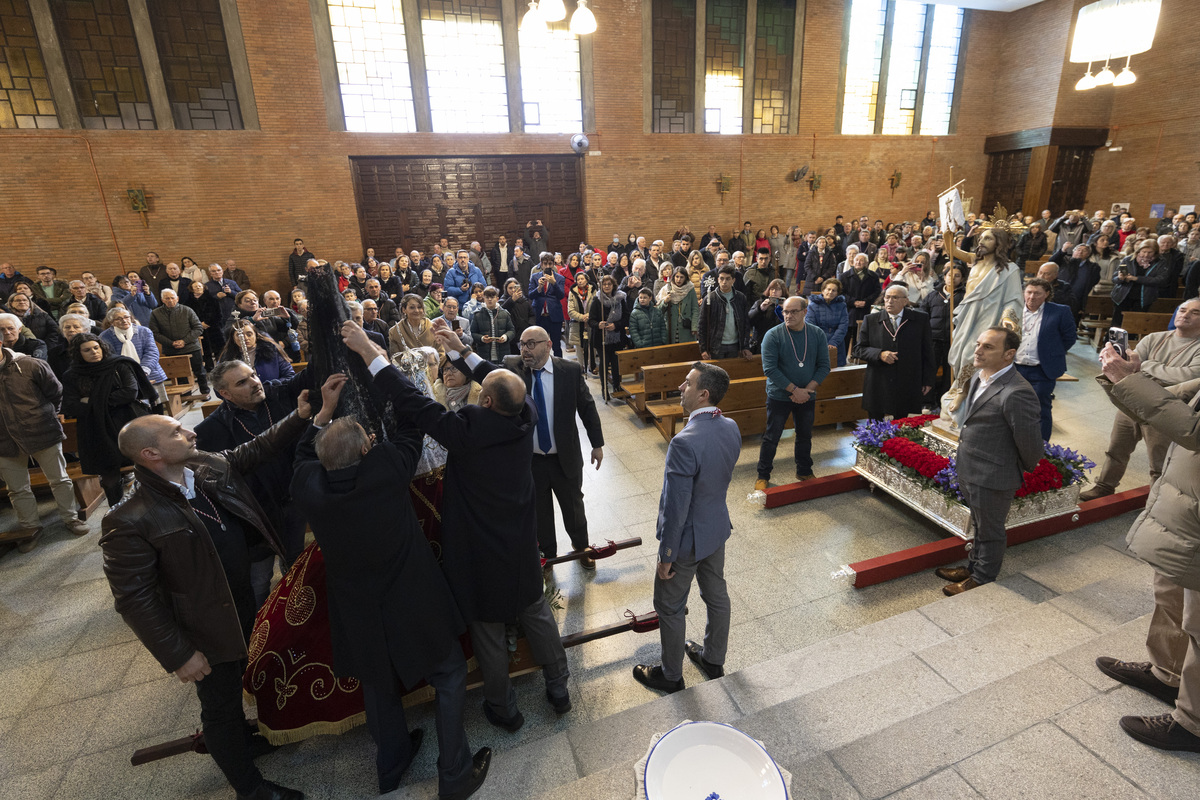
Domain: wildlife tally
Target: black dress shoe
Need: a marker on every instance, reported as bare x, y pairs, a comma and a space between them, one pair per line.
272, 791
696, 653
952, 574
561, 704
482, 760
1138, 675
653, 678
511, 725
415, 737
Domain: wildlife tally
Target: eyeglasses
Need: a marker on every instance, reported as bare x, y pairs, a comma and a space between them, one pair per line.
526, 344
787, 311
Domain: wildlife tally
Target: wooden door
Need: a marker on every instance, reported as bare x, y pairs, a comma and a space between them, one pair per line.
1072, 171
414, 201
1007, 173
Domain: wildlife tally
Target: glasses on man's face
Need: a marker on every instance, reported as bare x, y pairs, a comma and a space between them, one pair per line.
529, 344
788, 311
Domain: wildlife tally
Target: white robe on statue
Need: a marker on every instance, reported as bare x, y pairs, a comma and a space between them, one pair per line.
991, 296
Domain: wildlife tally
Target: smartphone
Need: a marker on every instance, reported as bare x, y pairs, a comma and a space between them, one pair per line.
1119, 339
274, 312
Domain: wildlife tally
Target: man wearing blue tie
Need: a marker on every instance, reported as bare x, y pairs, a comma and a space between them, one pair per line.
559, 393
693, 525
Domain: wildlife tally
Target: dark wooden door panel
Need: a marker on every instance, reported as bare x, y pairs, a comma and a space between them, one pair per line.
1007, 173
1072, 171
414, 201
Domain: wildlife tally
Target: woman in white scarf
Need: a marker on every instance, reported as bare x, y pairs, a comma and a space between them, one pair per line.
124, 336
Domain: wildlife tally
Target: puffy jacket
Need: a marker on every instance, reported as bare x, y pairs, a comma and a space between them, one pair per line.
647, 327
455, 277
167, 580
937, 307
834, 319
1166, 534
147, 351
29, 399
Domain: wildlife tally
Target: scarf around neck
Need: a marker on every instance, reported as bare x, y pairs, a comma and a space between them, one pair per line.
125, 337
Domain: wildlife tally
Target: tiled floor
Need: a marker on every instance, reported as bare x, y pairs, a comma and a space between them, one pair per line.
81, 693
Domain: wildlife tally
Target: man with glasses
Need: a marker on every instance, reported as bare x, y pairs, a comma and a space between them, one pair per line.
897, 345
795, 358
559, 393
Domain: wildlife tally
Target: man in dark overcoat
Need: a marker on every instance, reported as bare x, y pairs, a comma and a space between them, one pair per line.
897, 345
489, 532
392, 618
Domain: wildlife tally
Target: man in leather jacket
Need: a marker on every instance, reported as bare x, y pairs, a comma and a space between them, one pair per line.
177, 554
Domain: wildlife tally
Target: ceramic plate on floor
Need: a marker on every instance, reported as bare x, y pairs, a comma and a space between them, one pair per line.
711, 761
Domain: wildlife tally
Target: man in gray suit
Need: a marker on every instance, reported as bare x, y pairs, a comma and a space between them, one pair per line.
1000, 439
693, 525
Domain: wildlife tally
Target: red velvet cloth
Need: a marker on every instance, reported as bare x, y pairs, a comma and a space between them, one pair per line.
290, 674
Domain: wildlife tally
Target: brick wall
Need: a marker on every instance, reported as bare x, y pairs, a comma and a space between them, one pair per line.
246, 194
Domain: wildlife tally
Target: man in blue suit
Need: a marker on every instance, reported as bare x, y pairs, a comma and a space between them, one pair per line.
693, 525
1047, 333
546, 292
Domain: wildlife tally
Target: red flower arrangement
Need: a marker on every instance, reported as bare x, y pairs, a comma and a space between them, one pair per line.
915, 422
918, 457
1044, 478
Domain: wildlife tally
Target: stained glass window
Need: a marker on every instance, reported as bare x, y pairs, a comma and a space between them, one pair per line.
773, 65
550, 85
190, 38
464, 64
25, 99
104, 64
905, 32
864, 59
943, 66
673, 81
724, 64
372, 62
904, 67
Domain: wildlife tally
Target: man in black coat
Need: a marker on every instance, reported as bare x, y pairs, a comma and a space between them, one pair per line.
489, 539
559, 392
393, 621
897, 345
522, 267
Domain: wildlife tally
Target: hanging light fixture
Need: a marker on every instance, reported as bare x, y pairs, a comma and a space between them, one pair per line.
552, 10
583, 21
1126, 76
1088, 81
1110, 29
533, 22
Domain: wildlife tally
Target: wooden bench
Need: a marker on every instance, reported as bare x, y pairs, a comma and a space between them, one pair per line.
88, 492
209, 406
1097, 312
1139, 323
631, 362
839, 398
180, 383
663, 379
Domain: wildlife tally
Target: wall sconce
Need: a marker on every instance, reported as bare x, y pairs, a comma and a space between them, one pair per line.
724, 186
894, 181
814, 183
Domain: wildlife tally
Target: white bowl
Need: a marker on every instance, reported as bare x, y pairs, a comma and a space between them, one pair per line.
711, 761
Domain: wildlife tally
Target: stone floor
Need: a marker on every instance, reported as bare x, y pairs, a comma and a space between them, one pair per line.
860, 693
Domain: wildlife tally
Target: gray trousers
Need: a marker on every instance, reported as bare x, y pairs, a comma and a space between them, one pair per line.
491, 651
15, 472
670, 601
989, 509
1126, 433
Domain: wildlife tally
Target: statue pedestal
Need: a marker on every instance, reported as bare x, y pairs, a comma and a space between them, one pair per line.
942, 437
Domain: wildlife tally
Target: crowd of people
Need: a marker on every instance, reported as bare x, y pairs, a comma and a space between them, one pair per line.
490, 327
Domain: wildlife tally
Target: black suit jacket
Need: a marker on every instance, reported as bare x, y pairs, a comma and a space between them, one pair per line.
571, 397
489, 533
390, 609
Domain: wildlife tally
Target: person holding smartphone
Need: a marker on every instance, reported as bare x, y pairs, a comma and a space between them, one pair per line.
547, 289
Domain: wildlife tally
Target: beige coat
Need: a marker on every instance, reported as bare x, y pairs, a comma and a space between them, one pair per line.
1167, 533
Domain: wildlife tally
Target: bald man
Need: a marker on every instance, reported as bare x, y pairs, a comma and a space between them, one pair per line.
178, 550
489, 532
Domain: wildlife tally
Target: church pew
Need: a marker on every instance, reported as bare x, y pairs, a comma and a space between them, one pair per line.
633, 361
180, 383
1139, 323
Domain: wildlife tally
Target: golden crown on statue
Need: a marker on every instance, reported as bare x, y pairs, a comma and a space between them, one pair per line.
1000, 219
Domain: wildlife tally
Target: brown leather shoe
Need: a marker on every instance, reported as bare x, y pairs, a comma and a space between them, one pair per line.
952, 574
588, 563
760, 485
952, 589
1095, 493
28, 544
807, 476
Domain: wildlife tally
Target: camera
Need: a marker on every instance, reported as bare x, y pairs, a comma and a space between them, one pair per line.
1119, 339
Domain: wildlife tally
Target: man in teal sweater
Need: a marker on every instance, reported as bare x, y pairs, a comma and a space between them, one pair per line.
795, 359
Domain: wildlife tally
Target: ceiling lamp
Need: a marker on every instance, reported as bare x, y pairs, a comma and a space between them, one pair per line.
1088, 81
1111, 29
533, 22
1126, 77
552, 10
583, 21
